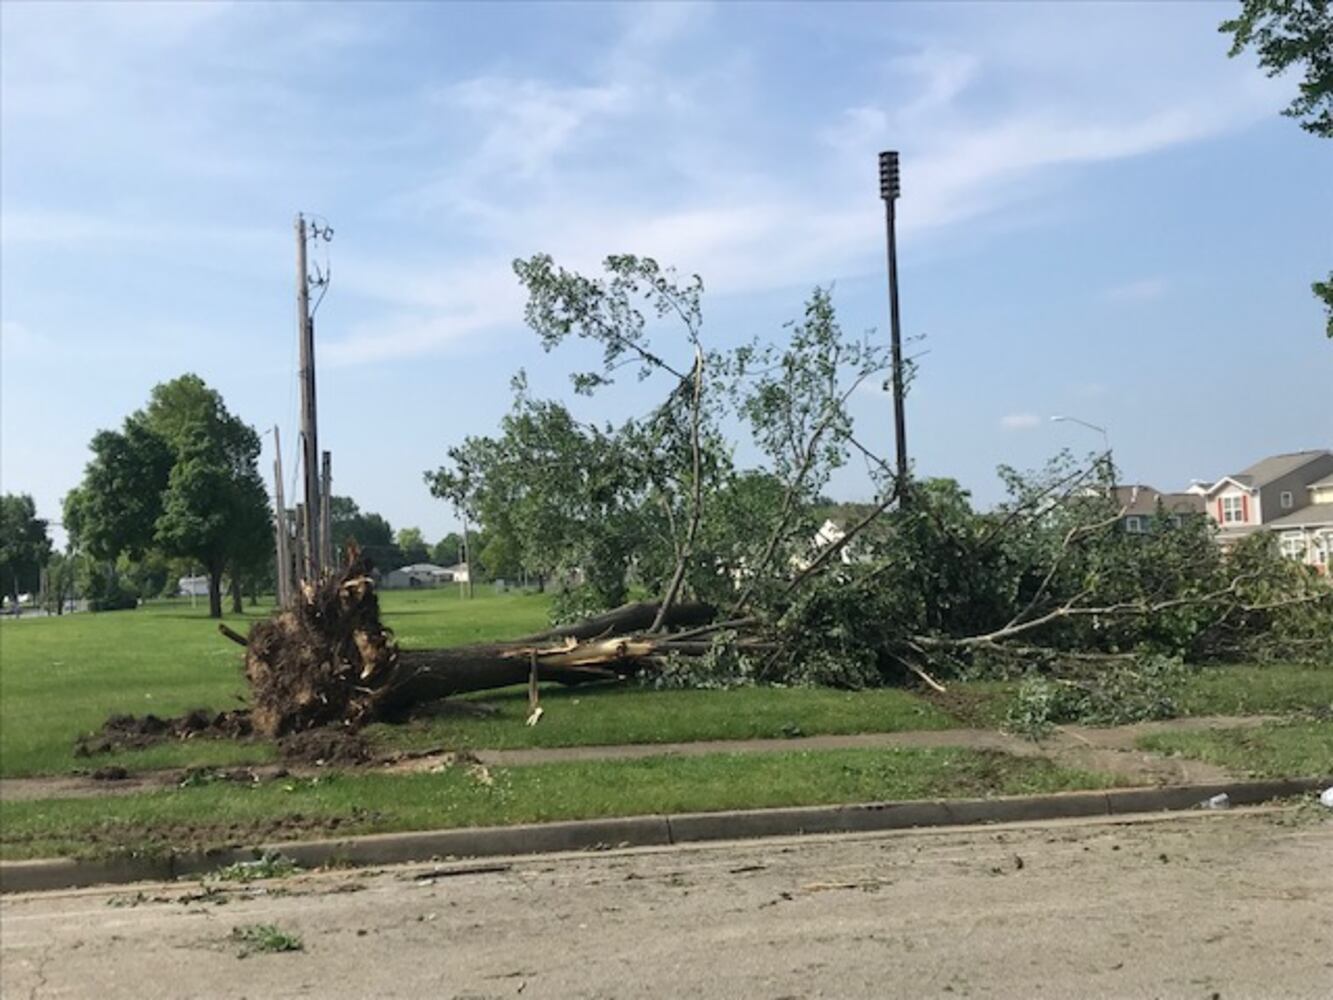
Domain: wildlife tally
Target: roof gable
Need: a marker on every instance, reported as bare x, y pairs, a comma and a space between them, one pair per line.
1264, 471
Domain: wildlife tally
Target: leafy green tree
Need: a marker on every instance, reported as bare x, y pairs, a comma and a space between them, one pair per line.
448, 551
498, 558
412, 545
371, 532
214, 505
24, 545
657, 498
61, 576
556, 496
115, 508
182, 476
1286, 34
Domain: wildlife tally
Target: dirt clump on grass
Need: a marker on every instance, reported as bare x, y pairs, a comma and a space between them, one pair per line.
332, 746
134, 732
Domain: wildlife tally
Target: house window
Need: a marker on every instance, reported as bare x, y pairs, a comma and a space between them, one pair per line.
1233, 510
1293, 545
1134, 524
1321, 552
1285, 500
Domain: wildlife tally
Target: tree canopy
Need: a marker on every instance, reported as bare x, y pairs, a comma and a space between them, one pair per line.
181, 476
1290, 34
24, 545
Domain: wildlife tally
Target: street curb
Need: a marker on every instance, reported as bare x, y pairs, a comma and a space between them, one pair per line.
648, 831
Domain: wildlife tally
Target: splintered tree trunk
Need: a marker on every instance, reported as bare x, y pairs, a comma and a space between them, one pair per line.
329, 659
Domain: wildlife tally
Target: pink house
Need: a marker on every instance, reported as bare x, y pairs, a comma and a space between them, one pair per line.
1271, 489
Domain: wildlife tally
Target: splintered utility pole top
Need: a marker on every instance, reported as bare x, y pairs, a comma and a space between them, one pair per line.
309, 431
314, 545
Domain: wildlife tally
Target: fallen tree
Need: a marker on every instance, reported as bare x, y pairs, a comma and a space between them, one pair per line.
329, 658
913, 586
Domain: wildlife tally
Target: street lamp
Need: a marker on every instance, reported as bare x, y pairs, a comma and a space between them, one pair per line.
1106, 441
889, 189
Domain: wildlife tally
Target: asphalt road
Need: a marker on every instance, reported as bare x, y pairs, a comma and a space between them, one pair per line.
1227, 905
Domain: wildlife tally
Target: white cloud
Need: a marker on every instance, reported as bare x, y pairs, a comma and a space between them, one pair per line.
1143, 290
659, 144
1020, 421
654, 154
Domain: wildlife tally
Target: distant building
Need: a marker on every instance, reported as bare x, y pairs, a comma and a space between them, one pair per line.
423, 575
192, 586
1307, 534
1272, 489
1140, 504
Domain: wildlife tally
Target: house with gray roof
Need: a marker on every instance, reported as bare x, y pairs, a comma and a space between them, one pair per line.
1307, 534
1271, 490
1140, 504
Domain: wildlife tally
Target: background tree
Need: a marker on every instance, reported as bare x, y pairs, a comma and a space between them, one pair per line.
25, 546
1287, 33
371, 532
412, 545
115, 508
448, 551
61, 575
181, 476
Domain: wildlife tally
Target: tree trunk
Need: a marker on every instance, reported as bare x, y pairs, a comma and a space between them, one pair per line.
236, 606
329, 660
214, 591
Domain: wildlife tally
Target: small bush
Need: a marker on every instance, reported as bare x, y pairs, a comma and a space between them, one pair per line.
1138, 690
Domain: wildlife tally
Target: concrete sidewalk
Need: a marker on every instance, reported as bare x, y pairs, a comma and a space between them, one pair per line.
1110, 749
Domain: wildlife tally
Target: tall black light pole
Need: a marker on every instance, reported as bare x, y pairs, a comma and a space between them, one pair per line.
889, 190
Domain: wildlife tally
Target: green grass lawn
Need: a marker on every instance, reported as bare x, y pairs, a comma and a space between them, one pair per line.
62, 676
1258, 689
1230, 689
630, 713
1278, 750
222, 813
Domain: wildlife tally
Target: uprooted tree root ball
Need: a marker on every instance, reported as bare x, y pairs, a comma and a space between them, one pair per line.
325, 660
330, 661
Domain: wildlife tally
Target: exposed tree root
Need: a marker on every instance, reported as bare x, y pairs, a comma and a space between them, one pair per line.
329, 659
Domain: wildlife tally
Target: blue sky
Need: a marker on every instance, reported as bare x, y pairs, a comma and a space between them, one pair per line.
1102, 215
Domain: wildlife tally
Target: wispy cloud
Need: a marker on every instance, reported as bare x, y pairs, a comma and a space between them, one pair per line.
663, 142
1143, 290
1020, 421
552, 163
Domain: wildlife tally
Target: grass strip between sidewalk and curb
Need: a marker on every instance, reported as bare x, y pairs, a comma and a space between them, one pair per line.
1279, 749
209, 816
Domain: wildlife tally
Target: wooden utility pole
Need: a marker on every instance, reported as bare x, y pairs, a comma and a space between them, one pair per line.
280, 526
300, 537
329, 556
310, 567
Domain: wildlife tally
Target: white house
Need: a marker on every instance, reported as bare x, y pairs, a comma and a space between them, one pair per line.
423, 575
1307, 534
192, 586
